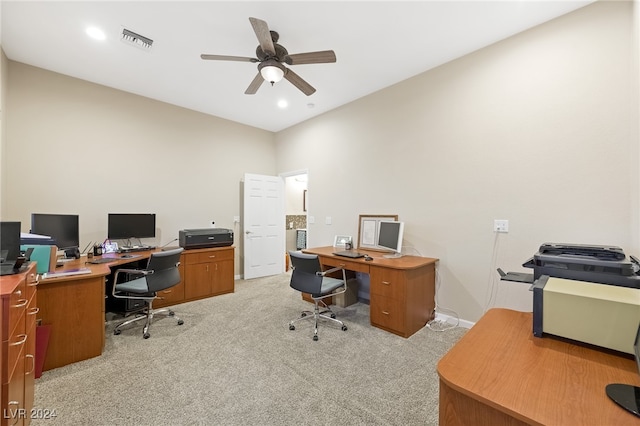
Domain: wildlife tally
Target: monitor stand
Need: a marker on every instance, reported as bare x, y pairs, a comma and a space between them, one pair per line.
626, 396
392, 255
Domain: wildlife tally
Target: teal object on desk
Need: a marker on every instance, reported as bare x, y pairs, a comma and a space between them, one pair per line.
41, 255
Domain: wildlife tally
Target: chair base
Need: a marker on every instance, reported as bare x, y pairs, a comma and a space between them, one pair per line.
317, 315
148, 316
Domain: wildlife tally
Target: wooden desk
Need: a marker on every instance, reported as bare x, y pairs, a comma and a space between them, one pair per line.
402, 290
75, 305
499, 373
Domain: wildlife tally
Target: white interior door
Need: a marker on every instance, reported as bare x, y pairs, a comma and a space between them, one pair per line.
264, 227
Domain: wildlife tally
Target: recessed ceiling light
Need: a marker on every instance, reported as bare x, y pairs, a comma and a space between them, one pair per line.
96, 33
282, 103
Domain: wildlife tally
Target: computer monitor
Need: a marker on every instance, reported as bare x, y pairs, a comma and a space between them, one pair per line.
63, 228
9, 241
124, 226
390, 235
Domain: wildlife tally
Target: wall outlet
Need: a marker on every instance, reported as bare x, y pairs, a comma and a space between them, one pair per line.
501, 225
327, 220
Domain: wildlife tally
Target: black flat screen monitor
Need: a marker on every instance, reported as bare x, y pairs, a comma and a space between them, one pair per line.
123, 226
9, 241
63, 228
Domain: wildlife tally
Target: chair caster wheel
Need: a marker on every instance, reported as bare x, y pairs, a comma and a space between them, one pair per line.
292, 327
171, 313
180, 322
315, 338
302, 315
333, 316
116, 332
344, 328
146, 335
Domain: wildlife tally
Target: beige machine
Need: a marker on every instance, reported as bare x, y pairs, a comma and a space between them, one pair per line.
599, 314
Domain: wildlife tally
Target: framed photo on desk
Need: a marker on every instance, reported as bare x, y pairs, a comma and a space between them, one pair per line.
369, 227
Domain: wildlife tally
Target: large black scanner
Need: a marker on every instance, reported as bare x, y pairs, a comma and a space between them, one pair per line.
592, 263
203, 238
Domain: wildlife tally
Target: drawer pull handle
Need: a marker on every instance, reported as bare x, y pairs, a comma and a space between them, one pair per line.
23, 338
385, 312
386, 283
18, 293
21, 303
212, 256
33, 363
17, 418
33, 311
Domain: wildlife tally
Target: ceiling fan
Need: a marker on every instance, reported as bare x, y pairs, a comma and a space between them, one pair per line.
271, 58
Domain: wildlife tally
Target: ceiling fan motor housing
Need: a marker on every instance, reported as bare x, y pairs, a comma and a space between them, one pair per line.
281, 53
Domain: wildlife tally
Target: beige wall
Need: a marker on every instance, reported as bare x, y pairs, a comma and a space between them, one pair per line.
4, 76
538, 129
81, 148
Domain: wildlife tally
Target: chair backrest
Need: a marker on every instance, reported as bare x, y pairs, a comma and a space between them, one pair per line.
164, 267
304, 277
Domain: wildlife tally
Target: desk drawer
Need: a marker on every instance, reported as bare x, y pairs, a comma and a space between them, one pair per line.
17, 305
387, 313
349, 265
389, 283
207, 256
31, 278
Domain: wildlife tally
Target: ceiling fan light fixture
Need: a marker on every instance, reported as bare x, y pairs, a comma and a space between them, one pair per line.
271, 70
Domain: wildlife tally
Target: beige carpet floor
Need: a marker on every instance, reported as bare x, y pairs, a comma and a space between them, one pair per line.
235, 362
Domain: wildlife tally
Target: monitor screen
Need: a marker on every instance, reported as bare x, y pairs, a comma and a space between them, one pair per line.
63, 228
123, 226
9, 241
390, 236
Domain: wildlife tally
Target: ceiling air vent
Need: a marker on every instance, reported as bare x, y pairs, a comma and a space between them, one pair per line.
137, 40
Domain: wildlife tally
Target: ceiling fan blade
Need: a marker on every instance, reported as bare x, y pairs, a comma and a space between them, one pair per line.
297, 81
321, 57
261, 29
255, 85
228, 58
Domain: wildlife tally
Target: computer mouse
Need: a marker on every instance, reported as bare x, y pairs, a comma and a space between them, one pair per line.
368, 258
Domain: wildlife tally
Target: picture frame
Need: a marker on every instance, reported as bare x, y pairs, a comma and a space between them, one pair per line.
369, 227
340, 241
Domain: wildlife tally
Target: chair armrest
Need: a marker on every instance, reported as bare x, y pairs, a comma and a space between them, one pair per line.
128, 271
328, 271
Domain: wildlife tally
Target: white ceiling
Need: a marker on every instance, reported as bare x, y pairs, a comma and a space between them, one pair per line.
377, 44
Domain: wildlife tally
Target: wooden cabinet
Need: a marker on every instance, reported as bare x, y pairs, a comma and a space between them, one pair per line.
17, 337
402, 300
208, 272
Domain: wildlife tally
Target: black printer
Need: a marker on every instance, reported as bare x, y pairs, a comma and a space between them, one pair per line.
592, 263
204, 238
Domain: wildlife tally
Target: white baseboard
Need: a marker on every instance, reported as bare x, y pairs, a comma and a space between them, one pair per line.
452, 320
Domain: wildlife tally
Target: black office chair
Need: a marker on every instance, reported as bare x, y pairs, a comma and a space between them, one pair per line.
308, 277
142, 284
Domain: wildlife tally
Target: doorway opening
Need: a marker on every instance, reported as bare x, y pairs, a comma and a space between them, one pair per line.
296, 206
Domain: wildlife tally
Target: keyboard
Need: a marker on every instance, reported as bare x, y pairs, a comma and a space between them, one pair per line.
135, 248
102, 260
